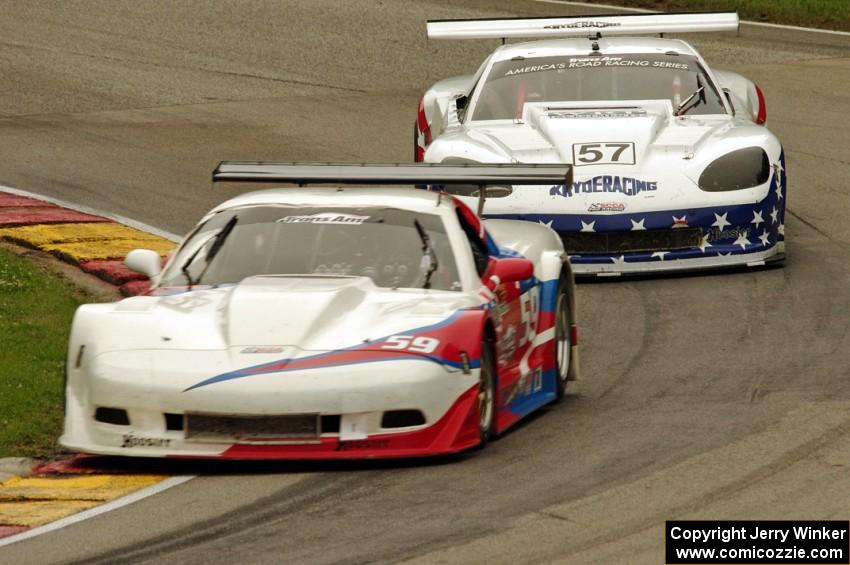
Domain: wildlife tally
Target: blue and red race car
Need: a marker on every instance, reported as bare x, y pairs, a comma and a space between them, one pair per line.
343, 322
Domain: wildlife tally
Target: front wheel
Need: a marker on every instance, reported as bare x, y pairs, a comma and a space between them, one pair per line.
416, 158
487, 393
562, 343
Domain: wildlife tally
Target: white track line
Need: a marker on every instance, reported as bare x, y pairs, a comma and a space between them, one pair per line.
86, 209
645, 11
97, 510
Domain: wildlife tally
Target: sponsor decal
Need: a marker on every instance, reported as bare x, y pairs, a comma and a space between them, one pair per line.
608, 61
626, 186
574, 114
606, 207
680, 65
363, 444
325, 218
536, 69
717, 234
130, 440
502, 306
582, 25
537, 381
507, 345
262, 350
680, 222
528, 383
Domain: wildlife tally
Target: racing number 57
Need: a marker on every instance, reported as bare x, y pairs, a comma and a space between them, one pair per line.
621, 153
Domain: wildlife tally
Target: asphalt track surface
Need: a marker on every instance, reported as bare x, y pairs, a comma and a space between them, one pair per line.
717, 396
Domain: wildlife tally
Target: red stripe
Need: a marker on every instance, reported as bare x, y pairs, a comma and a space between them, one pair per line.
49, 214
456, 431
424, 129
6, 531
115, 272
15, 201
762, 113
421, 118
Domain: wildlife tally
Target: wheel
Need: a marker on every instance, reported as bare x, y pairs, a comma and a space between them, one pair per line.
562, 342
487, 393
415, 142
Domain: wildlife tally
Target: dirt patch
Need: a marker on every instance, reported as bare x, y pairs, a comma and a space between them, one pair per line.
91, 288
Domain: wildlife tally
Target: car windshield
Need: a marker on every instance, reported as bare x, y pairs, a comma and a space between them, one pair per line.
395, 248
578, 78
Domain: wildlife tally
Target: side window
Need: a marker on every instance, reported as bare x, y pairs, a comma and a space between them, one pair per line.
479, 250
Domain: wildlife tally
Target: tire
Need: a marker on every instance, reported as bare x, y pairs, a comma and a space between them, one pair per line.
561, 344
487, 393
415, 142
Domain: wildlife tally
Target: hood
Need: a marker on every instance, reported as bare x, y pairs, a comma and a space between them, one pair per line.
628, 156
320, 313
550, 133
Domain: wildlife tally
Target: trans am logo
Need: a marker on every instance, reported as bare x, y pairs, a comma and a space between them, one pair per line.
325, 218
626, 186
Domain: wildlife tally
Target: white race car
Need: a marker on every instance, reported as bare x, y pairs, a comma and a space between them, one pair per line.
340, 322
673, 166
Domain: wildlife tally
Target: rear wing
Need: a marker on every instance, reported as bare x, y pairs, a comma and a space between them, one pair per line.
419, 174
583, 26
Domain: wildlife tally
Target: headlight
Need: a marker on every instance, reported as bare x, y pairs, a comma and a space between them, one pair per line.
744, 168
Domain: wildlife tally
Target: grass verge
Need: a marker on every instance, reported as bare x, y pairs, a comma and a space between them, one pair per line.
36, 308
826, 14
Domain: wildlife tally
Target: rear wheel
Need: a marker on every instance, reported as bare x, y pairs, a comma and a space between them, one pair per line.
562, 342
487, 393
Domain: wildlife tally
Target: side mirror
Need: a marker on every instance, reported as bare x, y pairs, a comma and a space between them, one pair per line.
144, 261
510, 270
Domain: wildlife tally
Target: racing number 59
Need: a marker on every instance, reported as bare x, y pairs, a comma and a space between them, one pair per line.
604, 153
417, 344
529, 304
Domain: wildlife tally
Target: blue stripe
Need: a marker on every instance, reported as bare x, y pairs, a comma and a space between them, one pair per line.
524, 405
257, 369
739, 218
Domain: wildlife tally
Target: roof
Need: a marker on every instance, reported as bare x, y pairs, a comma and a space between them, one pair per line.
581, 46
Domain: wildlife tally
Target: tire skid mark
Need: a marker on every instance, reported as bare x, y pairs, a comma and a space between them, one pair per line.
627, 372
283, 505
681, 491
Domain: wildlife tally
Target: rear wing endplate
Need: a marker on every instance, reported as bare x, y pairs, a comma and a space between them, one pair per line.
420, 174
583, 26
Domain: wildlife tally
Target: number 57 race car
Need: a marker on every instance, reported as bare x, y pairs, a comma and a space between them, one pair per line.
330, 322
674, 168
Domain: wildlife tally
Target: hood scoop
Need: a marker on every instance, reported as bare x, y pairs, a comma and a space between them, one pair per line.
570, 128
279, 310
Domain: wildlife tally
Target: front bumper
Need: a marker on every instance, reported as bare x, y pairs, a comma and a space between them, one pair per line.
673, 262
355, 397
716, 237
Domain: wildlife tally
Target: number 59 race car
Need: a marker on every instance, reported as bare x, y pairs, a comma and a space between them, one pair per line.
674, 168
330, 322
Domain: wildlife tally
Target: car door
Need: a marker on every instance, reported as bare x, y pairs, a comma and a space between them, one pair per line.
514, 311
